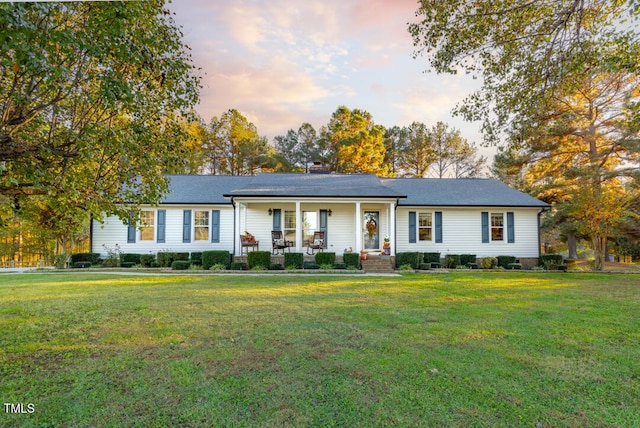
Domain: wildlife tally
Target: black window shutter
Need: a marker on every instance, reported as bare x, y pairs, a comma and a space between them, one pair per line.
162, 221
215, 226
485, 227
438, 221
186, 226
511, 235
131, 233
277, 220
412, 226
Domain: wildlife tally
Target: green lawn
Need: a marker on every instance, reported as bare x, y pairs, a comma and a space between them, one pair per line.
459, 349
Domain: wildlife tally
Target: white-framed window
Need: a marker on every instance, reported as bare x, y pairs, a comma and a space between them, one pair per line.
425, 226
290, 226
497, 226
201, 225
147, 225
309, 225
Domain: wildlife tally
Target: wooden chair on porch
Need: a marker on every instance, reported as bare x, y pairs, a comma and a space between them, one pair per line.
317, 243
278, 243
248, 241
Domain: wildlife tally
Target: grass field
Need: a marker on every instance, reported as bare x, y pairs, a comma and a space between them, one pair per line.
459, 349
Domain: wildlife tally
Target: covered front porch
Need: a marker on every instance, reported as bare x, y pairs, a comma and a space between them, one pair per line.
347, 224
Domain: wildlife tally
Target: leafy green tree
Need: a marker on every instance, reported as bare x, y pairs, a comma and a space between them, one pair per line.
416, 151
91, 96
395, 139
353, 143
235, 146
297, 150
453, 156
524, 51
581, 156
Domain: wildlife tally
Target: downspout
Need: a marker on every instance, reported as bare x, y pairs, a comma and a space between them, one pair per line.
234, 225
91, 233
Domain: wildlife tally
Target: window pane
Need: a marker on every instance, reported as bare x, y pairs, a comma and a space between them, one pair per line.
290, 226
497, 234
425, 234
497, 227
201, 225
424, 226
289, 219
147, 222
425, 220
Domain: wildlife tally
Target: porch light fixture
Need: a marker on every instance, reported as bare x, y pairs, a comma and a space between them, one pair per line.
329, 212
270, 211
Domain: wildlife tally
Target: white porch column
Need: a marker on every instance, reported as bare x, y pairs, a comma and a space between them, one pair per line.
392, 227
298, 227
237, 230
358, 229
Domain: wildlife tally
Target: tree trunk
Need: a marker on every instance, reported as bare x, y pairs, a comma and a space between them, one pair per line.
572, 244
599, 249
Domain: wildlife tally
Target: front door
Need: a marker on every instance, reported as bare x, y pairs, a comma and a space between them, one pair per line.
371, 230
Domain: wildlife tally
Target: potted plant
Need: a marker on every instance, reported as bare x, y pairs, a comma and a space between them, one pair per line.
386, 246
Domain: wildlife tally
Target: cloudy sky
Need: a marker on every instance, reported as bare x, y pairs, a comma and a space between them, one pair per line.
283, 62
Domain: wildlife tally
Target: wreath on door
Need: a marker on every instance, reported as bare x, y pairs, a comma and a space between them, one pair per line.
372, 227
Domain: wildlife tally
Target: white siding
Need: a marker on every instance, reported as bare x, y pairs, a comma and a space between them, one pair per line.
462, 233
112, 231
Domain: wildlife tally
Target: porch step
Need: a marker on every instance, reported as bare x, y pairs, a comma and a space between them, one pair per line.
379, 264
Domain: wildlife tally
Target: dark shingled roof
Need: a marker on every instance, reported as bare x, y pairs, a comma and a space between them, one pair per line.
474, 192
202, 189
318, 185
218, 189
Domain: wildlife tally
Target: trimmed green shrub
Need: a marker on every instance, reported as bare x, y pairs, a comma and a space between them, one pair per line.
181, 256
128, 264
259, 258
551, 261
147, 259
196, 258
325, 258
214, 257
79, 265
165, 258
311, 265
467, 258
452, 261
431, 258
351, 260
294, 259
180, 265
92, 258
238, 266
126, 258
425, 266
154, 264
488, 262
503, 261
409, 258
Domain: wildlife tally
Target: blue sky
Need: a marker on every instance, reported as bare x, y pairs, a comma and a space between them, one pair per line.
282, 63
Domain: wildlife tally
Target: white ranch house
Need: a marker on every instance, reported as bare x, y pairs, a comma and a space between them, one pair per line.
452, 216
